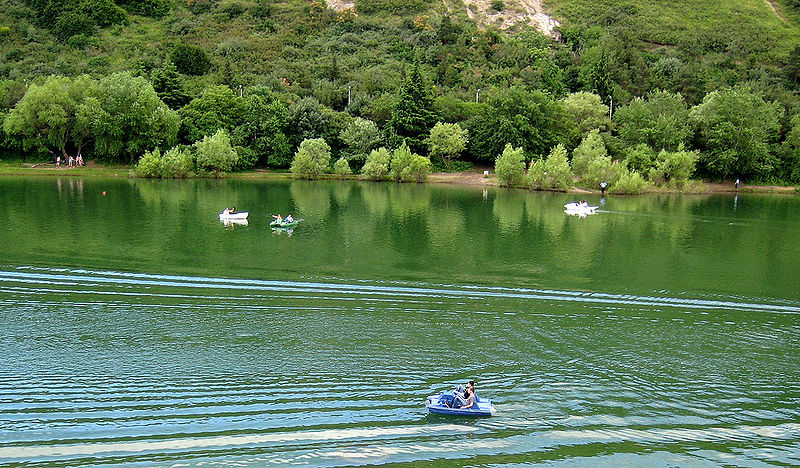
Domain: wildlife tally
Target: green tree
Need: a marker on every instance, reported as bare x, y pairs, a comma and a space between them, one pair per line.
169, 86
264, 128
377, 165
190, 60
311, 159
413, 117
360, 137
735, 129
579, 114
599, 78
591, 148
175, 163
446, 142
133, 118
640, 158
661, 121
342, 167
558, 174
522, 118
401, 159
790, 153
309, 120
215, 153
45, 117
217, 108
418, 169
510, 166
674, 168
629, 183
104, 12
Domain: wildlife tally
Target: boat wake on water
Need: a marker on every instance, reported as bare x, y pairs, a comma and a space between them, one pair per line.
117, 368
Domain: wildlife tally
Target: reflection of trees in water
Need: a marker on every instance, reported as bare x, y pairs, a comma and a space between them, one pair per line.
543, 213
403, 200
376, 198
444, 225
312, 198
341, 192
508, 209
409, 199
163, 195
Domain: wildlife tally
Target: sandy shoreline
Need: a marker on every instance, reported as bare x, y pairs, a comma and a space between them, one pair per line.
473, 177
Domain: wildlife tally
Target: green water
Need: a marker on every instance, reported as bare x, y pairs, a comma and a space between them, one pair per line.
139, 329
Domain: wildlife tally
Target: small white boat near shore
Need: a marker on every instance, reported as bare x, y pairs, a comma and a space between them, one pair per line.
580, 209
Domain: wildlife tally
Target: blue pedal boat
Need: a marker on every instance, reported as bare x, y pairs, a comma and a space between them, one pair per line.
447, 403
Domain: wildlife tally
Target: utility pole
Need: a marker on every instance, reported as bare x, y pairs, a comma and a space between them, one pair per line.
240, 90
348, 94
476, 94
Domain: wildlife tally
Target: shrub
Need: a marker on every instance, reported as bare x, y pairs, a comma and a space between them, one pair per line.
498, 5
377, 165
401, 159
151, 8
418, 169
175, 163
390, 6
104, 12
510, 166
190, 60
215, 153
674, 168
78, 41
149, 164
446, 142
602, 170
311, 159
557, 170
537, 174
640, 158
342, 167
592, 147
630, 183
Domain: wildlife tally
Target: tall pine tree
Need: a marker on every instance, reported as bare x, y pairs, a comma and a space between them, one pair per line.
413, 117
168, 84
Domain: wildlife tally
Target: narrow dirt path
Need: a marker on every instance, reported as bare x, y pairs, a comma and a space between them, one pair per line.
771, 4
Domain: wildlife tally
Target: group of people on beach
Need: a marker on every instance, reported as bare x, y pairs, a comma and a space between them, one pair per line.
71, 162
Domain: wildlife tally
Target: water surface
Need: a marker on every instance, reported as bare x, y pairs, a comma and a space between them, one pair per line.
138, 329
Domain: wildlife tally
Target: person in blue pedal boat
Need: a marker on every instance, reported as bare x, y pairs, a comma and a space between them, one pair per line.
470, 396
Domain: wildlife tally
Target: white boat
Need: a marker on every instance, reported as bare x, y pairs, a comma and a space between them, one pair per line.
580, 209
238, 215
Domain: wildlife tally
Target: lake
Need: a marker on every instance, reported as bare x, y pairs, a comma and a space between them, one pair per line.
138, 329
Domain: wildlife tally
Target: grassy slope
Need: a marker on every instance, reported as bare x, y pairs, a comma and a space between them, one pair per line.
749, 25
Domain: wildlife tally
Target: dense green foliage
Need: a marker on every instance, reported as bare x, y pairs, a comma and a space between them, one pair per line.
715, 78
377, 165
446, 142
311, 159
510, 166
215, 154
342, 167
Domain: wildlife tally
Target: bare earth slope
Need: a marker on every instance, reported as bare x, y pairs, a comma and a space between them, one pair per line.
515, 12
